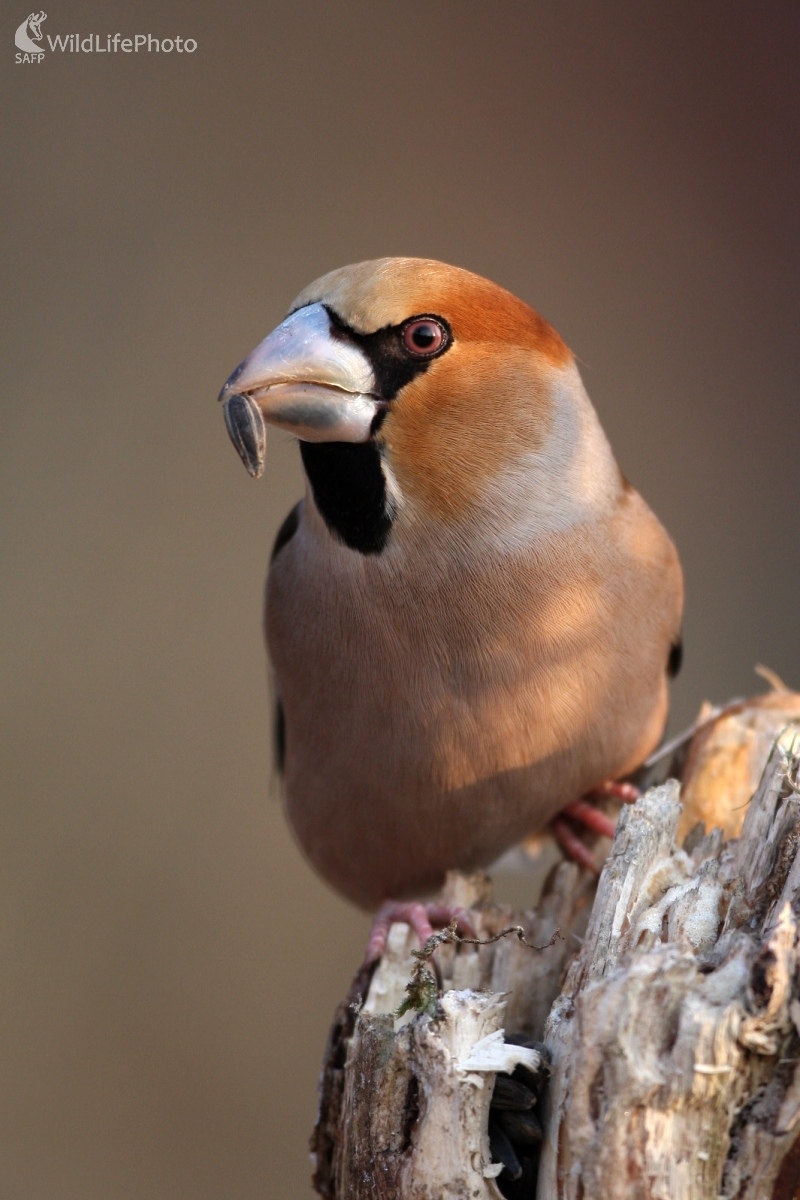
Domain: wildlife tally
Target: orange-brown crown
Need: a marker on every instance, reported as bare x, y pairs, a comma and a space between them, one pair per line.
386, 291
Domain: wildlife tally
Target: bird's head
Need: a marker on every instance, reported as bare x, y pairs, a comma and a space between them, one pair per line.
421, 391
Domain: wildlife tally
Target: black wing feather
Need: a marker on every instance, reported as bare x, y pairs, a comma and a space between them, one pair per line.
285, 534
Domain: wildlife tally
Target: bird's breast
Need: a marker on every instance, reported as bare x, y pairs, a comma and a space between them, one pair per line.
455, 706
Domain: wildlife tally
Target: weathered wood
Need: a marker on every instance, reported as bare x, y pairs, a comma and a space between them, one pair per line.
726, 759
676, 1017
398, 1088
669, 1006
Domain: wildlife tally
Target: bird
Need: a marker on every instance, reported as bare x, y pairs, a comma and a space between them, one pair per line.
471, 615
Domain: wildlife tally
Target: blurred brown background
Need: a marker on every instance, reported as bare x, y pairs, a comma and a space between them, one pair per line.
170, 964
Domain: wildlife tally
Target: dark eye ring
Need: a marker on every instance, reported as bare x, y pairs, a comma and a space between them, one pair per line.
423, 337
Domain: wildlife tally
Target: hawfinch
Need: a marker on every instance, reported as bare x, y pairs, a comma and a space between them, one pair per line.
471, 615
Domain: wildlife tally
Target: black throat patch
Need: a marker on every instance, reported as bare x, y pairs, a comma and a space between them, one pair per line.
350, 492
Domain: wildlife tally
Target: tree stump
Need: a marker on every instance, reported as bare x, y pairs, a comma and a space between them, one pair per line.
668, 1005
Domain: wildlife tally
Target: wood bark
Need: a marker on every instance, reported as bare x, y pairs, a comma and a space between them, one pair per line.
668, 1004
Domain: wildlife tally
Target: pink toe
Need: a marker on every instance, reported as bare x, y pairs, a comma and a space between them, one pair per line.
422, 918
626, 792
589, 816
572, 845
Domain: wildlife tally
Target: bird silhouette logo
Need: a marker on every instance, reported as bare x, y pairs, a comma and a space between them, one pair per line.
29, 33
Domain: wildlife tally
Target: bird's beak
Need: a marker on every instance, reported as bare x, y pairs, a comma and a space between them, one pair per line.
305, 380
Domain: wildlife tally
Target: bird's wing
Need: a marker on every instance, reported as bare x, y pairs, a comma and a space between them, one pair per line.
288, 529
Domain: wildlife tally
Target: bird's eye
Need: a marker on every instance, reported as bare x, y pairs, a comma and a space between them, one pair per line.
424, 337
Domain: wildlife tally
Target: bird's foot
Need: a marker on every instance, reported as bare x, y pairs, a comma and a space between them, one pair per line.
582, 812
616, 789
423, 919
